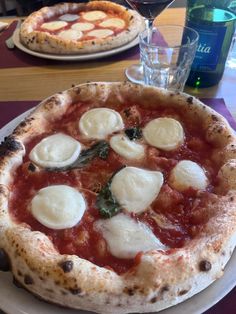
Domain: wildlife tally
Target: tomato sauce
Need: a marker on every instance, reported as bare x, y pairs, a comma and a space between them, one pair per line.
171, 217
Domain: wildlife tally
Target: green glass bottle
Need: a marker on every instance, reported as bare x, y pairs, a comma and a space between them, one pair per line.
215, 24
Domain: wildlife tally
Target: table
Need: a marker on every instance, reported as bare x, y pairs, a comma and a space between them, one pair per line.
35, 83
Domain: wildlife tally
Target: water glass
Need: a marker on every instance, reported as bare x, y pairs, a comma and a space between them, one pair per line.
167, 53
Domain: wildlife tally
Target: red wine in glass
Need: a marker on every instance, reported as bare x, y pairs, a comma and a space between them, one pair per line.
149, 9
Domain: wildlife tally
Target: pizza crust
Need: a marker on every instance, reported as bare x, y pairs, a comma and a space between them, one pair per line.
48, 43
73, 282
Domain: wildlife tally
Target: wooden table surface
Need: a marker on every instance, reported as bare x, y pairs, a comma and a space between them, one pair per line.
35, 83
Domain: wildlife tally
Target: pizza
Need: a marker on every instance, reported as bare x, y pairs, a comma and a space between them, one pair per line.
77, 28
118, 198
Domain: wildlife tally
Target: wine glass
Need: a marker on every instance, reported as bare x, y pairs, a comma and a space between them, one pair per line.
149, 9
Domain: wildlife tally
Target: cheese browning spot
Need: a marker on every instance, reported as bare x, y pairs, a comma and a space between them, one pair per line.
58, 206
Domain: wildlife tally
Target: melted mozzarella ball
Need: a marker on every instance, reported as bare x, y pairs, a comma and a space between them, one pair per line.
128, 149
101, 33
164, 133
82, 26
70, 34
188, 174
58, 150
135, 189
113, 22
126, 238
53, 26
94, 15
98, 123
58, 206
69, 17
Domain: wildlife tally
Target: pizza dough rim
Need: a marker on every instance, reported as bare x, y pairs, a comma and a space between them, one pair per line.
47, 43
184, 271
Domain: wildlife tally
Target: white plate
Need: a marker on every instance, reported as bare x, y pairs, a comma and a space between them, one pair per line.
18, 301
82, 57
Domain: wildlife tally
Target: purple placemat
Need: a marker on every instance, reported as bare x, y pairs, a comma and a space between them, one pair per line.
218, 105
16, 58
12, 109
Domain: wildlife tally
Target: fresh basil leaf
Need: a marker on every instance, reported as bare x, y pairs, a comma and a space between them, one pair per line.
106, 203
134, 133
100, 149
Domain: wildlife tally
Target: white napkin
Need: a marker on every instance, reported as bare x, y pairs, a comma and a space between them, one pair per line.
3, 25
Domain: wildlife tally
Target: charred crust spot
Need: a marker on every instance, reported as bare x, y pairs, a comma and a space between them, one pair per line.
72, 85
164, 289
28, 280
231, 199
53, 101
214, 118
49, 290
204, 265
153, 300
93, 42
26, 121
190, 100
31, 167
129, 291
5, 264
77, 90
75, 291
17, 283
66, 266
172, 94
19, 273
9, 145
2, 191
182, 292
127, 112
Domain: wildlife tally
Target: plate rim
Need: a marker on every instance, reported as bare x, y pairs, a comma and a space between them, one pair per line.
197, 304
82, 57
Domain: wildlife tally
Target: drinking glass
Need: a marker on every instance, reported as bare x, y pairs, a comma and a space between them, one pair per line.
167, 53
149, 9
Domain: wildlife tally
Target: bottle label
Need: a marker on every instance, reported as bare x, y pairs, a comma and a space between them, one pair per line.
209, 46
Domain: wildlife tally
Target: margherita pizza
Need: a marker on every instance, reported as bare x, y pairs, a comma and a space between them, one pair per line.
76, 28
118, 198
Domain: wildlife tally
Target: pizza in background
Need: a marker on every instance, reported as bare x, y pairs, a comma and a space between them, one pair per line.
118, 198
77, 28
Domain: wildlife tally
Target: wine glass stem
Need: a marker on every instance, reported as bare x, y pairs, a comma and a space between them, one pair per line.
148, 23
